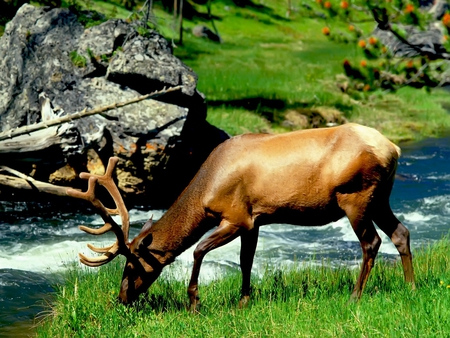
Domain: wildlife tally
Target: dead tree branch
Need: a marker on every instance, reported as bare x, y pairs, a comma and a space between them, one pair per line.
26, 182
78, 115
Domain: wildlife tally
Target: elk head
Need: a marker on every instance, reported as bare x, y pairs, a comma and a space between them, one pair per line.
141, 268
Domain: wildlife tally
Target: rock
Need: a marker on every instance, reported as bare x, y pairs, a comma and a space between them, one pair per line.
204, 32
50, 64
421, 42
438, 8
428, 42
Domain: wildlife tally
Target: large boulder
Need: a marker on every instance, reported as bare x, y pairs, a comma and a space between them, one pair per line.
50, 62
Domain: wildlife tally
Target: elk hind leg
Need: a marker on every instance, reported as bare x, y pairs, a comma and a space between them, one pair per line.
249, 241
399, 235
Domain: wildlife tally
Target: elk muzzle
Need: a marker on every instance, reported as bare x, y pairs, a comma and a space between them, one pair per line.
137, 277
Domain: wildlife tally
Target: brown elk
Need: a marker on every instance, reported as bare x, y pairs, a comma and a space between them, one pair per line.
310, 177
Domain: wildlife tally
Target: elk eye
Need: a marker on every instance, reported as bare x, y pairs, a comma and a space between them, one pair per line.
129, 267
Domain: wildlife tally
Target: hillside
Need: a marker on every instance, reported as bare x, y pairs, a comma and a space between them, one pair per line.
277, 72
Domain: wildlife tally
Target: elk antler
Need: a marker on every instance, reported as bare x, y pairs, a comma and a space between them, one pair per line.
121, 244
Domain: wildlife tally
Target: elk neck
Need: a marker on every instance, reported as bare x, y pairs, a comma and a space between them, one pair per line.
184, 223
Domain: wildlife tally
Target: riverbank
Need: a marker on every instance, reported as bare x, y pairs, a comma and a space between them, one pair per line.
307, 302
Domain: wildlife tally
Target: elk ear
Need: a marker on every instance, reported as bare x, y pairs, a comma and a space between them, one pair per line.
145, 237
146, 226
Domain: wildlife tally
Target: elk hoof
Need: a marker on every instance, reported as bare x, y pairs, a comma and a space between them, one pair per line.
195, 307
354, 298
243, 303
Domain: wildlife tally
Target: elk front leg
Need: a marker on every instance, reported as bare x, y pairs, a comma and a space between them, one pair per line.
249, 241
224, 234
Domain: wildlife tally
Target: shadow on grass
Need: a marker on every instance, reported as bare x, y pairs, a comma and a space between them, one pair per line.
160, 303
271, 109
255, 7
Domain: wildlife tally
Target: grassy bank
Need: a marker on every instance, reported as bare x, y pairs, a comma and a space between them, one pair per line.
307, 302
270, 67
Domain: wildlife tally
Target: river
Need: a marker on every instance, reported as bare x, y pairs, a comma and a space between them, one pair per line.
36, 246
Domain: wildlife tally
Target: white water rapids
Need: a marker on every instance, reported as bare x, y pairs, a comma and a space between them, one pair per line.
32, 247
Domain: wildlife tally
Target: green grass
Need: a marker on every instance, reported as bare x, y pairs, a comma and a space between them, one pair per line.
288, 64
305, 302
77, 59
269, 64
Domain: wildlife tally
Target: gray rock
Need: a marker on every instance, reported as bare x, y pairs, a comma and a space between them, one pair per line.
47, 53
420, 42
439, 8
204, 32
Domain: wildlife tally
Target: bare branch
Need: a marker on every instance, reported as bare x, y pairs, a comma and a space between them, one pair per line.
26, 182
75, 116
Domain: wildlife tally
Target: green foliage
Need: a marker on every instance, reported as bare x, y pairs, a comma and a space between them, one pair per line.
92, 18
104, 58
306, 301
145, 32
77, 59
401, 17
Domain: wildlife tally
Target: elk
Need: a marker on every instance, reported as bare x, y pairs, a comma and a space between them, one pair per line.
309, 177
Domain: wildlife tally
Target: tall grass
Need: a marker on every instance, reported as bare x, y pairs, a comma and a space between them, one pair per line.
293, 302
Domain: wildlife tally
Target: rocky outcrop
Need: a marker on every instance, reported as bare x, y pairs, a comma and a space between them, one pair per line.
49, 61
418, 41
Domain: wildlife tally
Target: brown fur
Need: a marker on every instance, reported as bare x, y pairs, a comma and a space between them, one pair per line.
310, 177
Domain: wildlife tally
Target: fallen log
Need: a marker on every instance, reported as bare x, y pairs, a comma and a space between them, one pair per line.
32, 184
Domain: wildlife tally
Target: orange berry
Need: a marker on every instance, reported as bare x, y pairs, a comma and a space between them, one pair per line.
362, 43
326, 31
410, 64
344, 4
351, 28
446, 19
366, 88
409, 8
373, 40
363, 63
327, 4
